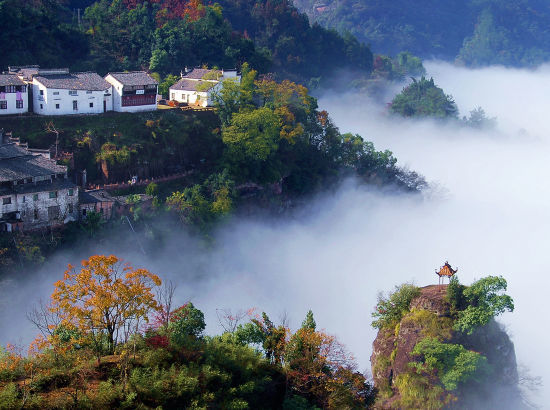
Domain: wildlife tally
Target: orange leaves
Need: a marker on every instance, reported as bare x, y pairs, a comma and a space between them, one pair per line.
104, 297
173, 9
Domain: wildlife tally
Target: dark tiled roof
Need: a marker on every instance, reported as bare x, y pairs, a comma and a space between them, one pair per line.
74, 81
134, 78
42, 186
198, 73
10, 79
97, 195
186, 85
26, 71
11, 151
15, 166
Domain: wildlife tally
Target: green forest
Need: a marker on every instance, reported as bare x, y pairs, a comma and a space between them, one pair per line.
167, 36
472, 32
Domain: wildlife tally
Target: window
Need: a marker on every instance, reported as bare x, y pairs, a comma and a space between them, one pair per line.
84, 212
73, 92
75, 105
6, 200
70, 208
41, 92
100, 210
41, 106
35, 197
91, 105
19, 104
35, 214
3, 105
56, 93
53, 194
10, 88
57, 106
71, 192
88, 92
173, 96
24, 199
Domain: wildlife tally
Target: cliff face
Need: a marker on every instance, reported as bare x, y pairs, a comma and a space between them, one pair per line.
430, 317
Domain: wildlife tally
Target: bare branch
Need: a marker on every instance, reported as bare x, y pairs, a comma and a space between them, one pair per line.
229, 321
44, 319
165, 296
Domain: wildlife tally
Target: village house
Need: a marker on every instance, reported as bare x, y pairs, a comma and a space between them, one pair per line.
14, 97
34, 191
196, 86
58, 92
96, 200
133, 91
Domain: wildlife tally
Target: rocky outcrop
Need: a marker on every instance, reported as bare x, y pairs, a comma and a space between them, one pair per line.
430, 316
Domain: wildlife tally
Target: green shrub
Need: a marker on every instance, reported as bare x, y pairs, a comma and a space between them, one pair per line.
455, 295
430, 324
485, 300
9, 397
417, 392
452, 362
157, 358
389, 310
164, 386
108, 394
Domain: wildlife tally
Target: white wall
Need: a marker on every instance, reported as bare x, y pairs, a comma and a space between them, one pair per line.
205, 97
26, 204
117, 98
46, 104
190, 97
11, 98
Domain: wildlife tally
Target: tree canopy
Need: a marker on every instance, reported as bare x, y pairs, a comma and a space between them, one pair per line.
422, 98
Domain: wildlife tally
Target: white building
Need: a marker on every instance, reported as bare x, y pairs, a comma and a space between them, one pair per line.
58, 92
133, 91
196, 86
14, 97
34, 191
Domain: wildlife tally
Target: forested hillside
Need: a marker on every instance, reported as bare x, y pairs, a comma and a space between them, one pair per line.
165, 36
475, 32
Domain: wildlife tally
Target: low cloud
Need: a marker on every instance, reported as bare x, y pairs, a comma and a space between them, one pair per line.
487, 213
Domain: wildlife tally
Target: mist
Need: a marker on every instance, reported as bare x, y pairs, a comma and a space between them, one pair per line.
485, 212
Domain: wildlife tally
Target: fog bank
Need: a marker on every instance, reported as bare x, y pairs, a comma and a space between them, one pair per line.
486, 213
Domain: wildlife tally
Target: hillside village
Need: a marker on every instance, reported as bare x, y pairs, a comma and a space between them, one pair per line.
35, 191
57, 91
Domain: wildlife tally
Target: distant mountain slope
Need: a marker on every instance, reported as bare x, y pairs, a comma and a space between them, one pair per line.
166, 35
476, 32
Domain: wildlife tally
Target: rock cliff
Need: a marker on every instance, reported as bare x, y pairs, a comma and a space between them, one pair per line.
401, 385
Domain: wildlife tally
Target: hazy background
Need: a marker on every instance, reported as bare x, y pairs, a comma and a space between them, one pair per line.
487, 213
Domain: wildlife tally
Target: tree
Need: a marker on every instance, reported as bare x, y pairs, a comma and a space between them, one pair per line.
390, 309
253, 134
319, 366
452, 362
422, 98
186, 324
104, 298
485, 301
309, 321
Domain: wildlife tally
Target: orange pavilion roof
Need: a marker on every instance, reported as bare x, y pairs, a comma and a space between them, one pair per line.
446, 270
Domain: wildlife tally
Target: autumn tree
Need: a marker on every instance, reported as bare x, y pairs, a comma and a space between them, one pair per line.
105, 299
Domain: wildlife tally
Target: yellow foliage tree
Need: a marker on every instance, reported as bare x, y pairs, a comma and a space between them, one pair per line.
105, 300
